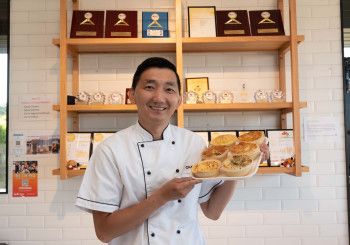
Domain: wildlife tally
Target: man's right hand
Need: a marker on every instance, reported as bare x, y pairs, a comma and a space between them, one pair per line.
176, 188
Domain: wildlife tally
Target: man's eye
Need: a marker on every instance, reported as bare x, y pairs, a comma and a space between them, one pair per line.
148, 87
170, 90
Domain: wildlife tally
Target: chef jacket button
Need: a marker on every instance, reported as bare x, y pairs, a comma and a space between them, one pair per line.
152, 234
179, 200
178, 231
177, 170
142, 145
149, 172
173, 142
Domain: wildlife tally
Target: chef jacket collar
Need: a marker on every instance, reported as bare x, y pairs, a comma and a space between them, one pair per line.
146, 136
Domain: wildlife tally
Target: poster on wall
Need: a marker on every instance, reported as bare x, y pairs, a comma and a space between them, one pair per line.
35, 108
42, 143
25, 179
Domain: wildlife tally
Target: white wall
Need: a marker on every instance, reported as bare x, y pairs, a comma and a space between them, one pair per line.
267, 209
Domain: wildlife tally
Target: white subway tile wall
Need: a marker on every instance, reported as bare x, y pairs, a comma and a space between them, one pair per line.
266, 209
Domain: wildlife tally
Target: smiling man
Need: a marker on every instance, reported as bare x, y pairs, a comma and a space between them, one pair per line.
137, 184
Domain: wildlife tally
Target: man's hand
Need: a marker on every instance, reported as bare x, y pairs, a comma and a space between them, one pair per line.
176, 188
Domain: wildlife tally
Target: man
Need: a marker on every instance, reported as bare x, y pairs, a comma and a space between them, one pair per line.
137, 184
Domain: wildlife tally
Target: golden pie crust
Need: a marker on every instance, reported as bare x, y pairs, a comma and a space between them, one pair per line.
256, 137
215, 152
206, 168
224, 140
252, 150
236, 166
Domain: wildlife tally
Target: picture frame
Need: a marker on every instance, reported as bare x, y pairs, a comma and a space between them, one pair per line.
198, 85
202, 21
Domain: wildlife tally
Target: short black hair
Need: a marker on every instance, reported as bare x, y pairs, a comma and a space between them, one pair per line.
154, 62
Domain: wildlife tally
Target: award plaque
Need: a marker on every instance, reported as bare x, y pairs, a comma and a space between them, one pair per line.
191, 97
155, 24
201, 21
266, 22
121, 24
198, 85
232, 23
87, 24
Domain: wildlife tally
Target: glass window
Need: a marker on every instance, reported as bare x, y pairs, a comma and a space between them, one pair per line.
4, 48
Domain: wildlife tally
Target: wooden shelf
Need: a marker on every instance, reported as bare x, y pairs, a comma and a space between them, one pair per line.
70, 173
262, 170
188, 107
281, 170
250, 43
120, 45
98, 108
190, 44
241, 106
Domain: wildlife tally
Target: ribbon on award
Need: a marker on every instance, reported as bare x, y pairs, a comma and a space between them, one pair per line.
232, 20
121, 20
87, 20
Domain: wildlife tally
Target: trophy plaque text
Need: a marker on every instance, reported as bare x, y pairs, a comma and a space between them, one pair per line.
87, 24
155, 24
232, 23
266, 22
121, 24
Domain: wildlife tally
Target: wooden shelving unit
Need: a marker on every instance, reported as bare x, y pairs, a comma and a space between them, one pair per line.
181, 45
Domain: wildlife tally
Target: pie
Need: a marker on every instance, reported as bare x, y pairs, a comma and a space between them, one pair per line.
236, 166
206, 168
256, 137
224, 140
218, 152
252, 150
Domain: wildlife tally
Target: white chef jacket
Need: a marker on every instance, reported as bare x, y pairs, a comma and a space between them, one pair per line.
128, 166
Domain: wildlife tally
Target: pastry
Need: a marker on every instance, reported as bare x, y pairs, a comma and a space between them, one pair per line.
236, 166
206, 168
224, 140
215, 152
243, 148
256, 137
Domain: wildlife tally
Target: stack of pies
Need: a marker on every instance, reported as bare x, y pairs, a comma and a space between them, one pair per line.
236, 166
215, 152
229, 156
206, 168
243, 148
256, 137
224, 140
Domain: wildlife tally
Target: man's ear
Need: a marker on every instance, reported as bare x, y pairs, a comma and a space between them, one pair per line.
180, 100
131, 95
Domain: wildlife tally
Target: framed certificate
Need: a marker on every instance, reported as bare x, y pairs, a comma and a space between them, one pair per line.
202, 21
281, 144
78, 148
199, 85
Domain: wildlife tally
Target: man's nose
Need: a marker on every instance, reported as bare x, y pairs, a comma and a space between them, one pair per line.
158, 95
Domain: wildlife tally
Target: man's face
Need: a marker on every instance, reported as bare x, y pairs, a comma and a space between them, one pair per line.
156, 96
